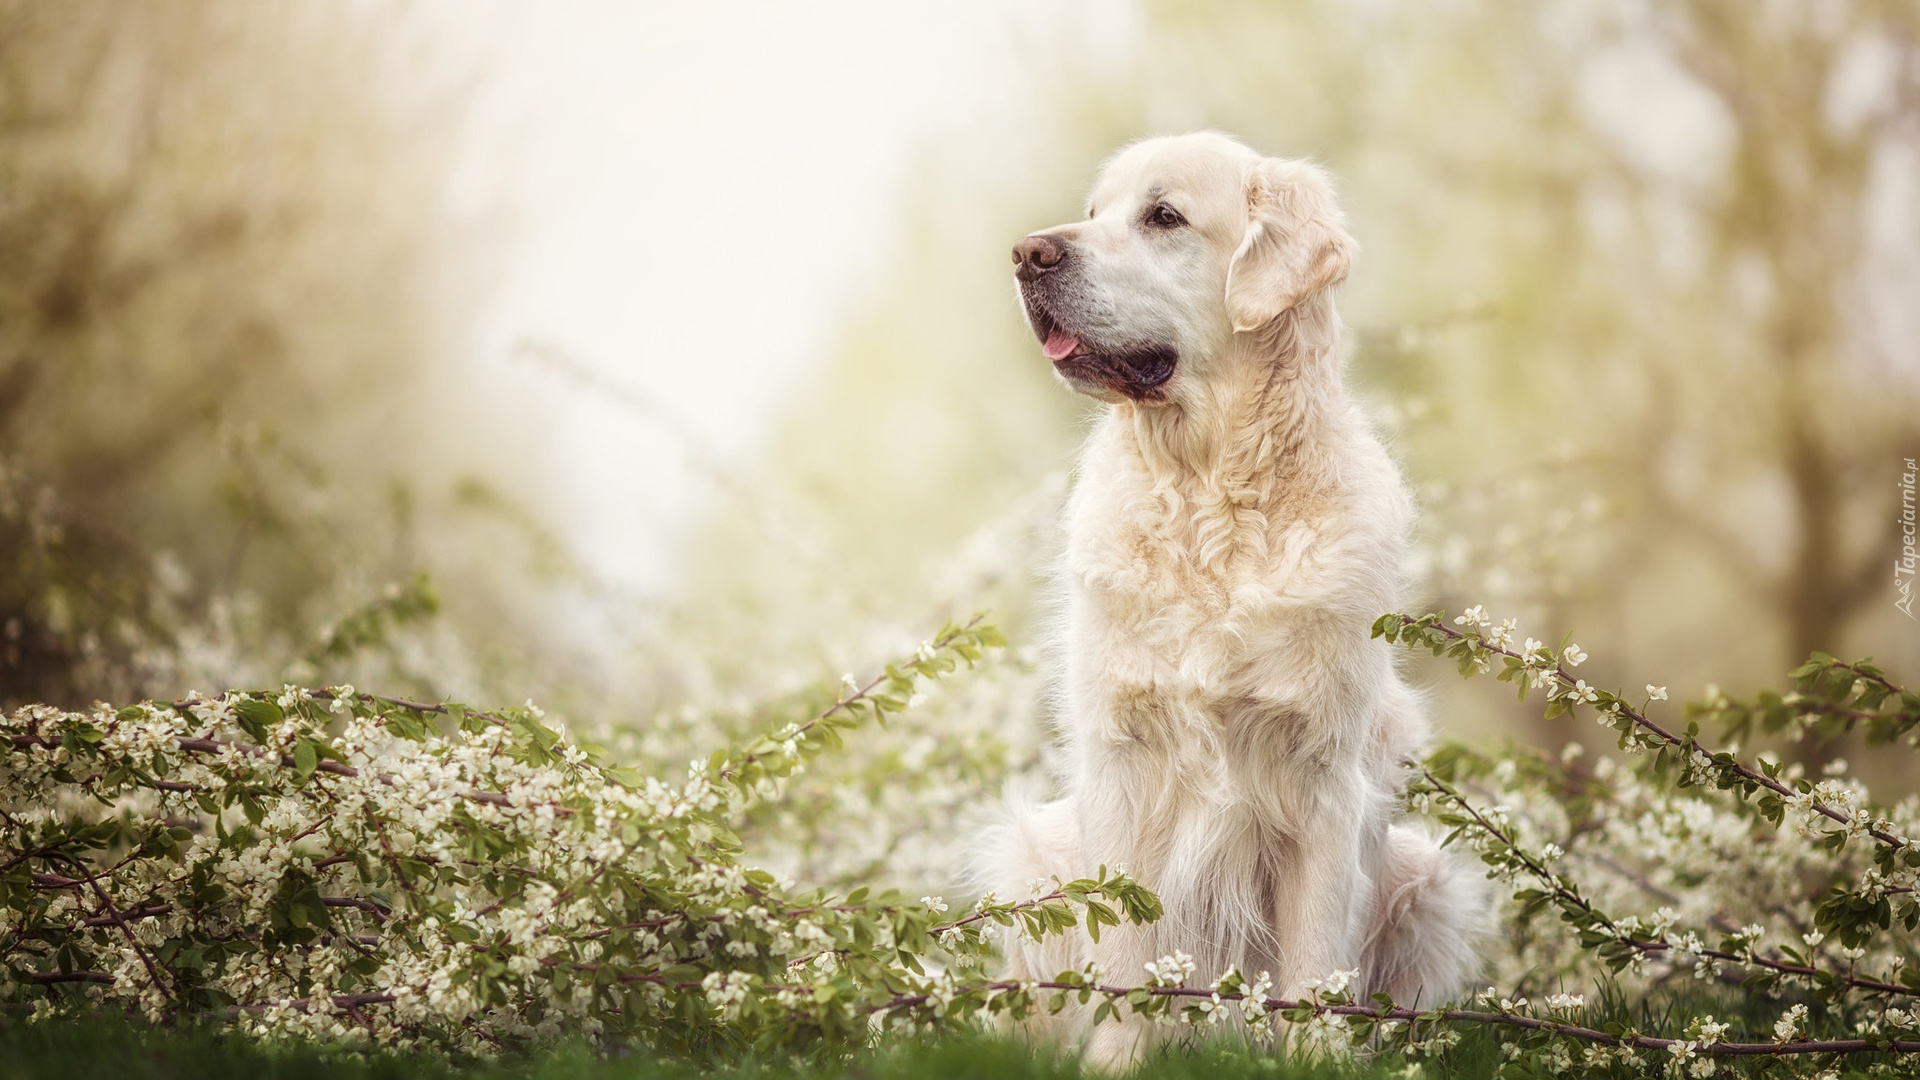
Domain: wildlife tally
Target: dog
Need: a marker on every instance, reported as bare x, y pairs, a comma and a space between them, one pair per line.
1229, 732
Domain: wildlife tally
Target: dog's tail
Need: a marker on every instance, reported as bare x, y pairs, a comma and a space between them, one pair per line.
1031, 842
1429, 917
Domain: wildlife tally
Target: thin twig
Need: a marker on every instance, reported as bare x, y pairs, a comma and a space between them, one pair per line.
1555, 883
1688, 743
860, 694
106, 904
1374, 1012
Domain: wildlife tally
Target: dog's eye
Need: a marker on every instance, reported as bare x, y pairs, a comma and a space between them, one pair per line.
1163, 216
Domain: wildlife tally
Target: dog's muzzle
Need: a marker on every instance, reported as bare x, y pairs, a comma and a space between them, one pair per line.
1138, 371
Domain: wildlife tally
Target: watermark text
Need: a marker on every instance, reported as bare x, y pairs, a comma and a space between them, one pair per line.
1903, 566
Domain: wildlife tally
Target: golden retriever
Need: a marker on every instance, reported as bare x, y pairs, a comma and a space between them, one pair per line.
1230, 734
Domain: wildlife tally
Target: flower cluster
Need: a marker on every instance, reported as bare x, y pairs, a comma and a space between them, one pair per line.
1683, 864
338, 865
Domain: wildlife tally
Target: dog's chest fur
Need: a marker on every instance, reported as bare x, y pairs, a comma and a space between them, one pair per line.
1211, 645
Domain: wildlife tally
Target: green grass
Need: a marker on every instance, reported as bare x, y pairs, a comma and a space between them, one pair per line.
111, 1049
108, 1047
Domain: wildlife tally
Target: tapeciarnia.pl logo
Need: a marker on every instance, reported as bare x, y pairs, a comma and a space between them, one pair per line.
1904, 564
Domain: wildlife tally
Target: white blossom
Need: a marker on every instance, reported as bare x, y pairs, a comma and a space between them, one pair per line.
1171, 970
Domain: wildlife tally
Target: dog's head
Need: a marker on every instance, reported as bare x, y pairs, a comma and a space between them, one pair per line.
1188, 241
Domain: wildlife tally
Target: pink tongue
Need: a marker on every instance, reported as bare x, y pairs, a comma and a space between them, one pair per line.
1060, 345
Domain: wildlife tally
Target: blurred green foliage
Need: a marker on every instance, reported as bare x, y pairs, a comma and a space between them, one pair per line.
227, 420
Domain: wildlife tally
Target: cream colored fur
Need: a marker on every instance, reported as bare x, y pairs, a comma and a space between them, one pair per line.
1229, 732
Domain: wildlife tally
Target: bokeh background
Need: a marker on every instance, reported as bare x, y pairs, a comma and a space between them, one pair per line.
657, 362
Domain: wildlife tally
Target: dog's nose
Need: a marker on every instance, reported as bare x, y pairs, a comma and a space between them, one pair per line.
1036, 255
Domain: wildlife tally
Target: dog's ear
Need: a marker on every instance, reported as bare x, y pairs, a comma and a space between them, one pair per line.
1296, 242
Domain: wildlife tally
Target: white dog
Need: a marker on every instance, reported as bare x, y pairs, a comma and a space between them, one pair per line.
1231, 735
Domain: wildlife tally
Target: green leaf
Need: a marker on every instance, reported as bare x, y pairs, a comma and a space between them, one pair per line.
305, 759
257, 716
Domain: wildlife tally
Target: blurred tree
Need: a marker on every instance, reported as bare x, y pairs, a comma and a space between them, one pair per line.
1695, 257
224, 428
1819, 98
1666, 228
